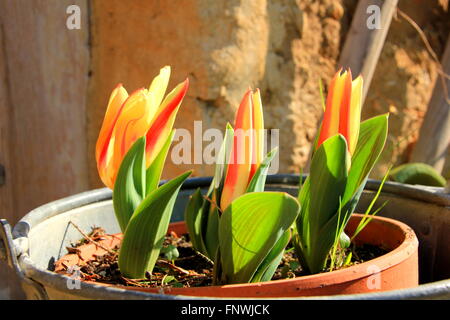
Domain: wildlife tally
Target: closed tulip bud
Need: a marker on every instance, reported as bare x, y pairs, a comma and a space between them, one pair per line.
343, 109
248, 148
146, 112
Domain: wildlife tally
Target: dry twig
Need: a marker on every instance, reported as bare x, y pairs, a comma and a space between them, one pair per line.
163, 263
92, 240
443, 75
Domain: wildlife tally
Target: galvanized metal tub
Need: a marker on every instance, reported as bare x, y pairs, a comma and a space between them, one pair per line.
41, 237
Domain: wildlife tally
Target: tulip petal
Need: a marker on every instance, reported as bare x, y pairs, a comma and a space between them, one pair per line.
132, 124
105, 167
238, 171
158, 86
355, 113
346, 113
258, 137
330, 123
103, 148
163, 123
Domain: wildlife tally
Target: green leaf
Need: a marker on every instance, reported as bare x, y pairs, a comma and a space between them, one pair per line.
259, 178
222, 160
348, 259
154, 171
168, 279
270, 263
368, 214
338, 231
212, 232
294, 265
129, 187
249, 229
210, 211
328, 178
320, 200
201, 216
177, 285
144, 235
207, 204
316, 141
371, 140
302, 226
170, 252
217, 268
193, 217
417, 173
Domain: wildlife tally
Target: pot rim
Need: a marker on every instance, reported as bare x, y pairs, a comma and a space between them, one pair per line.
407, 247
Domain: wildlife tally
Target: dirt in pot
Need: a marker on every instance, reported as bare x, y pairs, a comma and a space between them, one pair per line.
181, 266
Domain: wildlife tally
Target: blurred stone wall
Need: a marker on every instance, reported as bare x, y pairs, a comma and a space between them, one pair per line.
282, 47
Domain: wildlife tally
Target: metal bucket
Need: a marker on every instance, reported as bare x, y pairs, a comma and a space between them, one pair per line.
41, 237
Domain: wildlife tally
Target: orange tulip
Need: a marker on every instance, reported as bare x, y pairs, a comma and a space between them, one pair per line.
343, 109
144, 112
248, 147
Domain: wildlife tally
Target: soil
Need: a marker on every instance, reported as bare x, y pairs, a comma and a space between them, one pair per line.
185, 267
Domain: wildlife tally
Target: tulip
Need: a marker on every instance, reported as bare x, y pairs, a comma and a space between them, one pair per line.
129, 117
343, 109
248, 147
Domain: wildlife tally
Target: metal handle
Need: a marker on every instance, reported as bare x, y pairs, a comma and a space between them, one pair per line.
2, 251
10, 248
7, 250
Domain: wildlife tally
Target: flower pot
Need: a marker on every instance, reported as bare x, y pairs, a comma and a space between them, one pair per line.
425, 210
397, 269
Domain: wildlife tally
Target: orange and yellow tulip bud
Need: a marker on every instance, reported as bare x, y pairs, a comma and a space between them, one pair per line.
129, 117
248, 147
343, 109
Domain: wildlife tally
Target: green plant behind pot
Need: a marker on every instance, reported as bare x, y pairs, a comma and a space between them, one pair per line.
417, 173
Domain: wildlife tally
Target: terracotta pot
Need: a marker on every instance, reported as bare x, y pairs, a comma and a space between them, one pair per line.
397, 269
